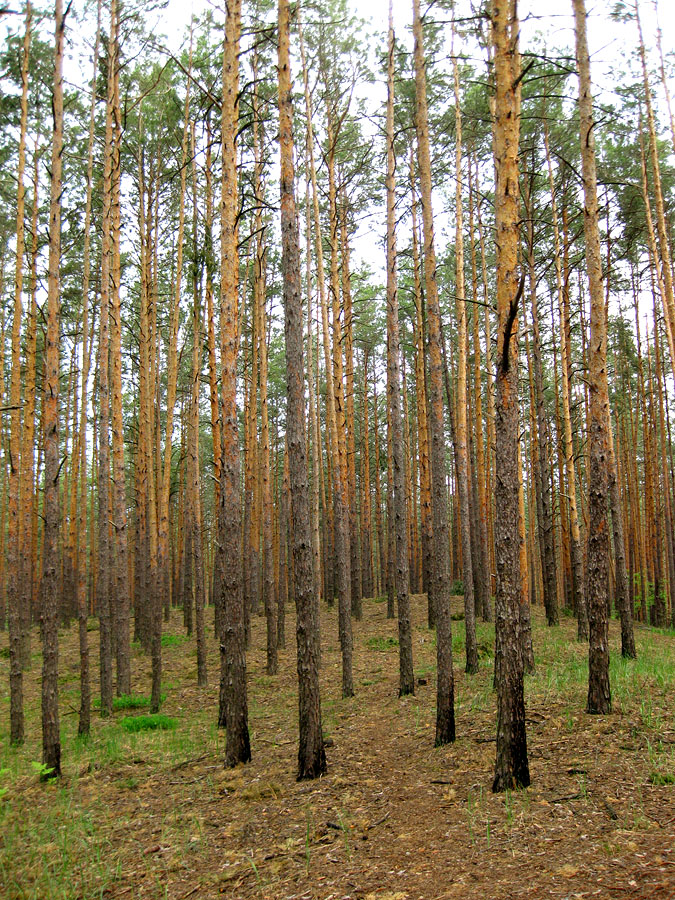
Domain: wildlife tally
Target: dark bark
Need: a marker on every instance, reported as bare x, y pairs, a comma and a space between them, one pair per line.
511, 765
311, 753
51, 742
439, 584
597, 571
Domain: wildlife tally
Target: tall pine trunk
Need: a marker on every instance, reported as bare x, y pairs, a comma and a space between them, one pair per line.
597, 573
51, 742
511, 767
311, 753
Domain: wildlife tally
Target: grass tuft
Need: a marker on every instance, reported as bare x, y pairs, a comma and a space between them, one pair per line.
148, 723
173, 640
382, 643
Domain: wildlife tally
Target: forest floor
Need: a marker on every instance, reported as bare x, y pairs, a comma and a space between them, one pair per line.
153, 814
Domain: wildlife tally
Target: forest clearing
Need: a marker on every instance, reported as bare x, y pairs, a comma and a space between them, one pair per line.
337, 476
153, 814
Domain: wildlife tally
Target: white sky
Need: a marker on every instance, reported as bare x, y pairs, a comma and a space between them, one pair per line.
611, 44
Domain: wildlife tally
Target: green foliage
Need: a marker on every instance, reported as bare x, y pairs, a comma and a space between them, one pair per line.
43, 770
158, 721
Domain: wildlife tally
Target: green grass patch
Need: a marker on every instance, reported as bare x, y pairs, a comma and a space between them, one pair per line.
661, 778
173, 640
382, 643
128, 701
148, 723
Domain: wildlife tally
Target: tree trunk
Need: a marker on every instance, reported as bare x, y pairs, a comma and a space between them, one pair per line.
311, 753
511, 767
104, 556
599, 695
51, 742
119, 499
440, 578
234, 709
399, 523
14, 529
461, 440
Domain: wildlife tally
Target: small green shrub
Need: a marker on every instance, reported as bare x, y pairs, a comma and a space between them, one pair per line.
148, 723
457, 589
